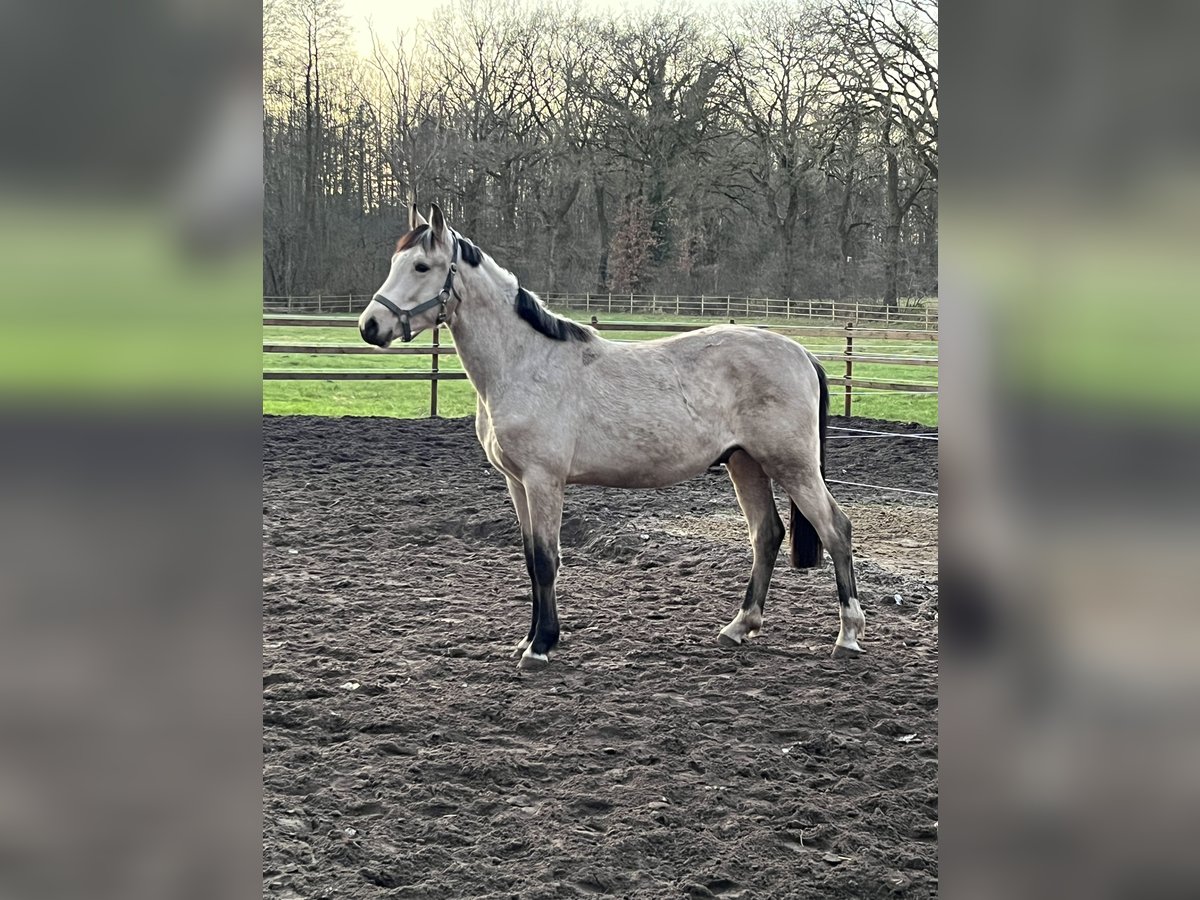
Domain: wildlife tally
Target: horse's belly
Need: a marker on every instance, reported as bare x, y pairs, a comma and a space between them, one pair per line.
634, 479
642, 466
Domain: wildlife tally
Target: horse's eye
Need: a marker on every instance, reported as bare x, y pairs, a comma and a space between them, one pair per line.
421, 267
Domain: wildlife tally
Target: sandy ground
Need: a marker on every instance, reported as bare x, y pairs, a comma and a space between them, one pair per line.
406, 756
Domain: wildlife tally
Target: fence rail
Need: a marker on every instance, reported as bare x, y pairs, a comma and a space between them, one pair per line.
868, 334
365, 376
918, 313
364, 350
849, 333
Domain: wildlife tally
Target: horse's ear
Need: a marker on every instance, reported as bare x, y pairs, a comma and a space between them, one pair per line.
414, 217
437, 224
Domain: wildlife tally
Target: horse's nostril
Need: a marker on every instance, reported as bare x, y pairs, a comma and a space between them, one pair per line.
370, 331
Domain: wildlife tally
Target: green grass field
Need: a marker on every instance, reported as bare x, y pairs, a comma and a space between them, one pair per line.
456, 398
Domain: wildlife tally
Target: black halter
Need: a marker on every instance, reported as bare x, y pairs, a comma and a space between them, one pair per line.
406, 315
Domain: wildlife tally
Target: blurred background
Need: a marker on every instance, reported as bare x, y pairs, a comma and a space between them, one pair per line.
130, 239
1070, 726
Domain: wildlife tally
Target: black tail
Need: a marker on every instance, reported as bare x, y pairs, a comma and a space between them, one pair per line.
805, 552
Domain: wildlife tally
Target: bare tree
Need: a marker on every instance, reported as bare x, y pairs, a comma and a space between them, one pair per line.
779, 93
660, 111
890, 48
632, 247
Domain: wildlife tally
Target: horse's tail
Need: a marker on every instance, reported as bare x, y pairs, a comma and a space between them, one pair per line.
805, 551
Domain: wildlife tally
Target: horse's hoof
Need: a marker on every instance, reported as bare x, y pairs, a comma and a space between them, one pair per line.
519, 649
754, 632
531, 662
846, 651
726, 641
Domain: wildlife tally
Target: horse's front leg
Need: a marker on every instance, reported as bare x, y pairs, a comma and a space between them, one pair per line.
544, 499
516, 490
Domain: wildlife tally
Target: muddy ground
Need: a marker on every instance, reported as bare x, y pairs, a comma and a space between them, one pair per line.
407, 757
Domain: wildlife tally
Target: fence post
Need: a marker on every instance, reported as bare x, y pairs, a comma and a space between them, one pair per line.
728, 306
676, 304
849, 364
610, 302
926, 316
433, 370
855, 310
587, 302
319, 309
631, 303
789, 307
289, 303
701, 304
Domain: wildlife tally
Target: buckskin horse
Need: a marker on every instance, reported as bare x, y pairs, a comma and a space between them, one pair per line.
558, 404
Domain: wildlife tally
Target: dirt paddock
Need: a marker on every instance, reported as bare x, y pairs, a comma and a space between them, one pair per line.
406, 756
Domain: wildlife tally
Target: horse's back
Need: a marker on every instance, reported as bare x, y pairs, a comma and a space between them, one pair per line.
671, 407
744, 370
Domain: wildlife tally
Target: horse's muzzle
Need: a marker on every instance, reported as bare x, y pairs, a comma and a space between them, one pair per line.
370, 332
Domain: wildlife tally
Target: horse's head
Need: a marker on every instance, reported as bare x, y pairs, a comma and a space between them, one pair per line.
419, 285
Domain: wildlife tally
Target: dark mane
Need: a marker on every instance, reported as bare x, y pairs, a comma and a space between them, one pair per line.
557, 328
470, 254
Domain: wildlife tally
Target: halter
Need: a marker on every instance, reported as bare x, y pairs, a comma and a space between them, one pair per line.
406, 315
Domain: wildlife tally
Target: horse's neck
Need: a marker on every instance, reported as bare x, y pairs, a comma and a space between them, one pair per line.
490, 337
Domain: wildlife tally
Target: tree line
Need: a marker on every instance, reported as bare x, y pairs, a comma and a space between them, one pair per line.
781, 148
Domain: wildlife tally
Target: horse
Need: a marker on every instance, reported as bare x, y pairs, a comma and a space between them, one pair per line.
557, 404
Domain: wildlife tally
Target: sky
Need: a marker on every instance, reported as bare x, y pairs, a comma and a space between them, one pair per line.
389, 16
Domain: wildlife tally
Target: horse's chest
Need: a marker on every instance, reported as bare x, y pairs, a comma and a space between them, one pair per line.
493, 447
514, 445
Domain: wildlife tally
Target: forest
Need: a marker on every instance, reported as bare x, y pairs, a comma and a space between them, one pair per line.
786, 149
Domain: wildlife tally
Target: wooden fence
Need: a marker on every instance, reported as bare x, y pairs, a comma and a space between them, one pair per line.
918, 313
849, 333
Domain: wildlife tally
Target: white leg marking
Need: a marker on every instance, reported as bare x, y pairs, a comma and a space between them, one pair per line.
746, 624
854, 624
531, 660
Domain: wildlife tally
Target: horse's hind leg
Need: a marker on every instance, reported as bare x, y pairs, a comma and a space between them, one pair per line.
832, 526
753, 489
